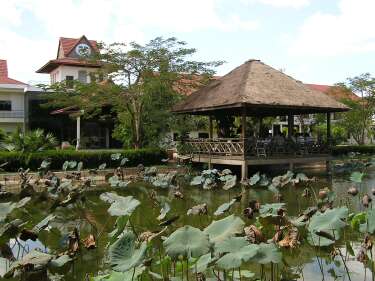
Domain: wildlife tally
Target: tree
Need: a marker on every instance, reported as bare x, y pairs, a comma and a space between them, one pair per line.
359, 119
147, 81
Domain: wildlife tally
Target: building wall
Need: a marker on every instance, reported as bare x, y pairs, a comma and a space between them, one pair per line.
60, 73
10, 120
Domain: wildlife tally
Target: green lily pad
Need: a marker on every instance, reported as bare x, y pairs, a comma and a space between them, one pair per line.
237, 250
254, 179
164, 210
324, 228
187, 241
267, 253
7, 207
230, 182
121, 206
369, 225
124, 255
356, 177
61, 261
224, 207
224, 228
198, 180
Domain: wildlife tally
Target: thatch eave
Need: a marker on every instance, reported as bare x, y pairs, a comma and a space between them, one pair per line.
262, 90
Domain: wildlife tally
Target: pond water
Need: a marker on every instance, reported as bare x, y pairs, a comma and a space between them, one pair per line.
303, 263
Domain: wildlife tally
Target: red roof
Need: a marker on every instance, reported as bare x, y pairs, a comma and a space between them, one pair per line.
68, 44
4, 79
335, 92
52, 64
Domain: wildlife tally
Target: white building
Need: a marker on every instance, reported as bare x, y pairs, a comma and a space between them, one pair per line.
71, 62
13, 101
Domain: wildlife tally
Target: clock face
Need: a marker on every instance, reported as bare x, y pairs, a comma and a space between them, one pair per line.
83, 49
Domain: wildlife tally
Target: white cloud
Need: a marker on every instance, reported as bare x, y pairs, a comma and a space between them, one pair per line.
109, 21
280, 3
349, 31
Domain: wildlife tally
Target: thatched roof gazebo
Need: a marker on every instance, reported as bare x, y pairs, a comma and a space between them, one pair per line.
253, 89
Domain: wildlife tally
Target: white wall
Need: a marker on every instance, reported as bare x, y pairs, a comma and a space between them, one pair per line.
17, 98
65, 70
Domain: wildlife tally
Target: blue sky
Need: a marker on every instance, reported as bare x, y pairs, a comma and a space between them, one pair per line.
316, 41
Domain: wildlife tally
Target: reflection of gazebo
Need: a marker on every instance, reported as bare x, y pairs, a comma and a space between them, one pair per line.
254, 89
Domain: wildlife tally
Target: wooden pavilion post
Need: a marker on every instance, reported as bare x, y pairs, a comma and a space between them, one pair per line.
290, 125
210, 128
329, 140
210, 136
244, 170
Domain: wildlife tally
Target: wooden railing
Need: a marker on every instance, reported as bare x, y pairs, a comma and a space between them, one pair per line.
249, 147
219, 146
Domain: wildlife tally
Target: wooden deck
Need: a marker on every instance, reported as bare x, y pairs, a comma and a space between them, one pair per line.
240, 152
257, 161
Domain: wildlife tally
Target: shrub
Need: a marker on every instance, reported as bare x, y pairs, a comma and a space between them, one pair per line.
90, 159
345, 149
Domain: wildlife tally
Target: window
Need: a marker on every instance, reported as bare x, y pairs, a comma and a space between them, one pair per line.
82, 76
69, 81
5, 105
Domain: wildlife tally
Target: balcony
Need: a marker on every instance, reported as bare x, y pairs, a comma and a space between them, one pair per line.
12, 114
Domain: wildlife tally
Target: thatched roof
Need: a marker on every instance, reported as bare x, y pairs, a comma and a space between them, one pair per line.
262, 90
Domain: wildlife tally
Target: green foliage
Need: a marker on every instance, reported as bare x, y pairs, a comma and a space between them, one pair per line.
224, 228
90, 159
28, 142
345, 149
237, 250
324, 228
124, 255
150, 79
187, 242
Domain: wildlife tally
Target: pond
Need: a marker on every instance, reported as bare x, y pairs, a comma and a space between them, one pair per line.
303, 262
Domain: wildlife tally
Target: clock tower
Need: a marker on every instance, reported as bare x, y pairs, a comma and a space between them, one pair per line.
72, 61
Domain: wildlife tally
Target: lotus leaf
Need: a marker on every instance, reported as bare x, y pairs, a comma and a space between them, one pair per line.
7, 207
121, 223
237, 250
198, 180
43, 224
356, 177
4, 264
36, 258
124, 255
115, 156
187, 241
357, 220
120, 276
254, 179
324, 228
369, 225
120, 206
115, 181
244, 273
209, 183
61, 261
301, 177
163, 212
267, 253
230, 181
203, 262
224, 228
264, 181
271, 209
224, 207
